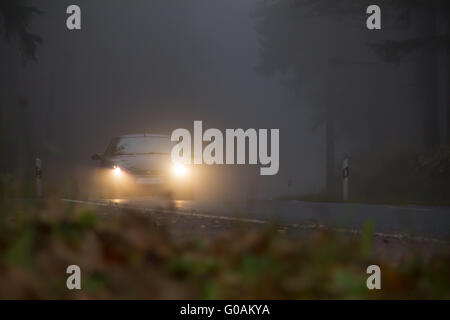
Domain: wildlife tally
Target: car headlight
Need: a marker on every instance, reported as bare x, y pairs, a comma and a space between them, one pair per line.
117, 171
180, 170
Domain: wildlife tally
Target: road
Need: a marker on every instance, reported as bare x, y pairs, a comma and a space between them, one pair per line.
397, 221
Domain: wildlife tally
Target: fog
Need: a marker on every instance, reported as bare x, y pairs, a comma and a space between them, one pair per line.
154, 66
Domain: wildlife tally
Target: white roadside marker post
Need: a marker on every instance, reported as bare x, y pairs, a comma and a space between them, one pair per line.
38, 177
345, 174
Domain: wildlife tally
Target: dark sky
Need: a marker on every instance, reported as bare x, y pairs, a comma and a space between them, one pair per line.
158, 65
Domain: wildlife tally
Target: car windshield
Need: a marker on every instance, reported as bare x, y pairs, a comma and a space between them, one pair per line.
139, 145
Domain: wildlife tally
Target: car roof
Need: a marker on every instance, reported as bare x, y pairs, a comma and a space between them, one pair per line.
138, 135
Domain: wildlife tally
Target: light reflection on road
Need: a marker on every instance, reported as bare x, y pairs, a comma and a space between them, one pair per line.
414, 220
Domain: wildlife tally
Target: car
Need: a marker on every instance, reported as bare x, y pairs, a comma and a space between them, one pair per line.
137, 163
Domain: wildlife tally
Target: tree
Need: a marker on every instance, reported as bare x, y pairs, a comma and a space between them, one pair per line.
282, 51
431, 41
17, 17
435, 42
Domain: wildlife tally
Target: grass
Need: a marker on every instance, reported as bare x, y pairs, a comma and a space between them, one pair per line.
129, 255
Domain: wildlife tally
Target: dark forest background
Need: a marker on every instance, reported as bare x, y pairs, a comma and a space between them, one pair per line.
308, 67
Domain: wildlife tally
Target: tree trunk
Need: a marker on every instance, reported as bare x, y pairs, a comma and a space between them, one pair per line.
447, 113
430, 114
2, 132
330, 151
443, 73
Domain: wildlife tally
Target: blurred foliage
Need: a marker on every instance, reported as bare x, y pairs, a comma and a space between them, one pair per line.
409, 178
126, 254
434, 173
397, 177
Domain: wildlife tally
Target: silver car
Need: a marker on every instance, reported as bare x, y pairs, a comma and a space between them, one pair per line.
136, 162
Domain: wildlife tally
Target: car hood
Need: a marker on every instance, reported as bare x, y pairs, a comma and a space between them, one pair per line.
143, 164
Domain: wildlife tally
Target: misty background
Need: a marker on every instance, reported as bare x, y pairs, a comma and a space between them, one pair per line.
154, 66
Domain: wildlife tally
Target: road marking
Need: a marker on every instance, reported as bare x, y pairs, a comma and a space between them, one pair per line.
110, 204
409, 207
178, 212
